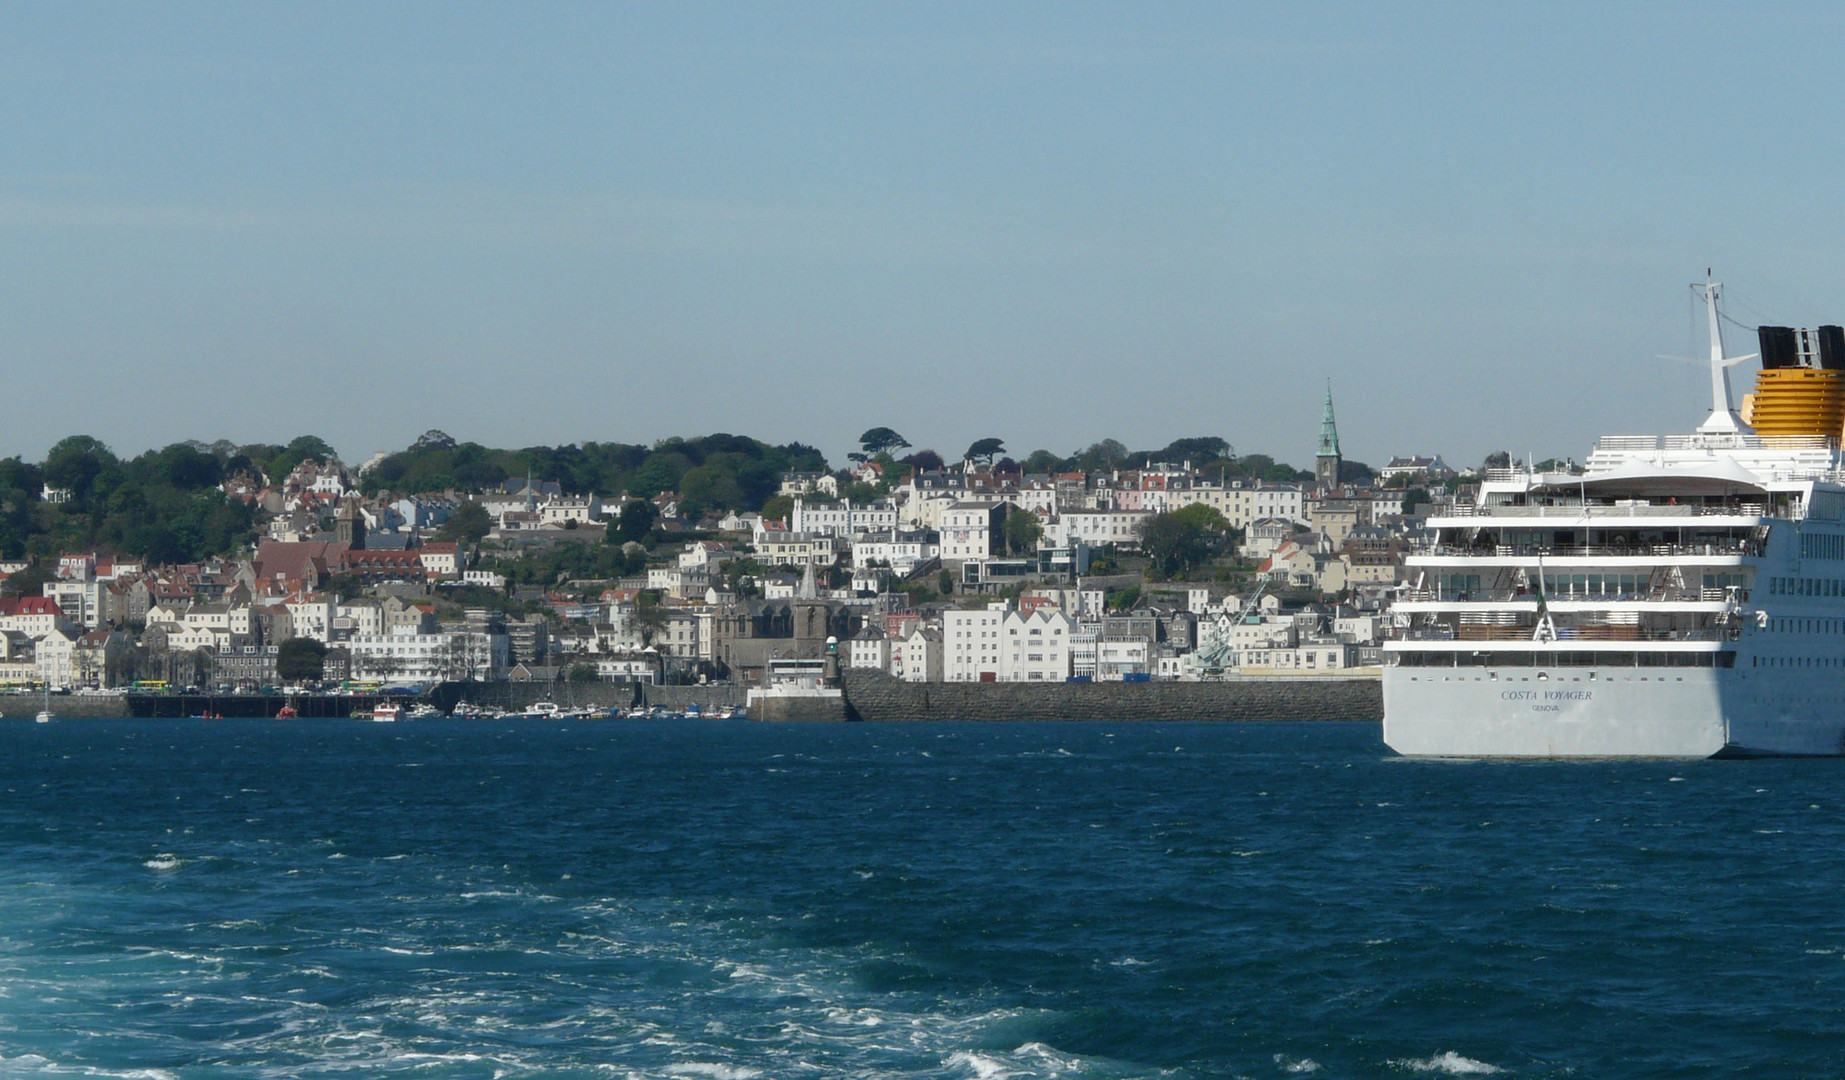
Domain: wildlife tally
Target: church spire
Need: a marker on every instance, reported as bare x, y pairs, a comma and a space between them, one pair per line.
1326, 460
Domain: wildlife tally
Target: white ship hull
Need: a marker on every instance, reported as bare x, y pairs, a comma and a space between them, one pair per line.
1663, 713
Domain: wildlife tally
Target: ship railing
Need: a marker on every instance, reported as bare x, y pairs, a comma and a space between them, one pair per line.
1624, 551
1619, 510
1514, 595
1564, 633
1639, 443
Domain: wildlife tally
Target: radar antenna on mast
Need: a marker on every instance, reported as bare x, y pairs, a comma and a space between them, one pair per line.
1723, 419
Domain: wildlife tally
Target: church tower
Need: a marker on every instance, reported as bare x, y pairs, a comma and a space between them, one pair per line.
348, 526
1326, 460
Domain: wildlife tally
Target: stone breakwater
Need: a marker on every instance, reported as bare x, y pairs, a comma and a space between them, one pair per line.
875, 696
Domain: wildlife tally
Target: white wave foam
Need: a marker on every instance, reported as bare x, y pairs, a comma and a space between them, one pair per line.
37, 1064
163, 861
1300, 1067
1448, 1062
978, 1066
712, 1069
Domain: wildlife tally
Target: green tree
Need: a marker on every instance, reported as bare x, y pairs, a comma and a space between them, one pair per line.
1022, 531
28, 582
1043, 461
650, 617
1413, 497
660, 472
924, 461
300, 659
985, 450
75, 463
1102, 456
582, 673
1199, 451
299, 449
779, 508
467, 525
882, 440
1179, 540
636, 521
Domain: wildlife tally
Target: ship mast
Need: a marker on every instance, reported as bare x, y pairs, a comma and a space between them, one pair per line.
1723, 419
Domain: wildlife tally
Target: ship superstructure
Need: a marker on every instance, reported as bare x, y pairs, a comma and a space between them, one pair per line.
1681, 596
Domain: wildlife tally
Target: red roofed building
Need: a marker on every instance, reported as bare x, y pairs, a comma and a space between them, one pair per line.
33, 616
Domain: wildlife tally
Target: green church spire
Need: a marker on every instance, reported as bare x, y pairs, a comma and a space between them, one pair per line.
1326, 462
1329, 430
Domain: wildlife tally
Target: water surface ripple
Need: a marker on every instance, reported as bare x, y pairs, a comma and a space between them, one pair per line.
726, 900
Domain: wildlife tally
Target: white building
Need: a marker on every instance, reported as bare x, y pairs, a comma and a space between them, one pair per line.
408, 656
81, 601
918, 657
970, 529
1036, 647
638, 665
795, 549
971, 644
1095, 527
842, 519
1244, 501
581, 509
901, 551
869, 648
312, 617
1118, 657
55, 654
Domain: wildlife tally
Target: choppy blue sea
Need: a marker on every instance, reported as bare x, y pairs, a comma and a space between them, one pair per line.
728, 900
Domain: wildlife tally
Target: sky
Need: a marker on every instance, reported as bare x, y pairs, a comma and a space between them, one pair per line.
1053, 224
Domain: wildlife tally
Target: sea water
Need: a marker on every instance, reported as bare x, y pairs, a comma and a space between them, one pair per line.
728, 900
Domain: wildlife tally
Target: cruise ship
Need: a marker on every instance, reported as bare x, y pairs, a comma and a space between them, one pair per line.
1681, 596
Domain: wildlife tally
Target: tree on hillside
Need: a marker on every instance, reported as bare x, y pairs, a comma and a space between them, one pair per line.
1356, 473
650, 617
636, 521
1199, 451
882, 440
985, 450
924, 461
1498, 459
1180, 540
300, 659
301, 448
467, 525
1101, 456
75, 463
1022, 531
780, 508
1043, 461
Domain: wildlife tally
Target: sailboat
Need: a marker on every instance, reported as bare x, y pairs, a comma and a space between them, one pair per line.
44, 714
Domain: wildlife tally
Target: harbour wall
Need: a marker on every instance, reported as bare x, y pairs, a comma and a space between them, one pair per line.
26, 706
877, 697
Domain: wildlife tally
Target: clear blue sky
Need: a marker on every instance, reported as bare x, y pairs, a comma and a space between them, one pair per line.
1050, 223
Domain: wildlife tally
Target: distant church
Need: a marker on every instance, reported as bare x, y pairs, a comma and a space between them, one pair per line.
1326, 461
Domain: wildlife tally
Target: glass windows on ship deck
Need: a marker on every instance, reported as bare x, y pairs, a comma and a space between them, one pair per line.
1559, 586
1566, 658
1822, 546
1806, 586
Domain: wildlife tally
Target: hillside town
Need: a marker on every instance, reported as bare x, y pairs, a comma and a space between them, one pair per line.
980, 570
